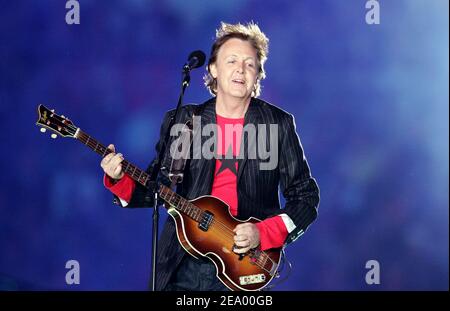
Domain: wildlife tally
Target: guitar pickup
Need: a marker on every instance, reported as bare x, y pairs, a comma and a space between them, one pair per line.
205, 221
252, 279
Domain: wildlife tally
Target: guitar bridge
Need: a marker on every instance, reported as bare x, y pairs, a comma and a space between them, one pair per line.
205, 221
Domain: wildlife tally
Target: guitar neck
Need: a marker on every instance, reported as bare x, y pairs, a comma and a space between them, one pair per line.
142, 178
130, 169
180, 203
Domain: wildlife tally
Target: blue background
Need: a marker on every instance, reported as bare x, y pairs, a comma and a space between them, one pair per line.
371, 106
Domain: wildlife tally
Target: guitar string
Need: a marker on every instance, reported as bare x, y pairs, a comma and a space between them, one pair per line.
229, 234
214, 224
257, 263
219, 235
262, 256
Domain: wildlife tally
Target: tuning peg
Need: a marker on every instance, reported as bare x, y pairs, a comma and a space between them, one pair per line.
54, 136
62, 116
53, 110
43, 130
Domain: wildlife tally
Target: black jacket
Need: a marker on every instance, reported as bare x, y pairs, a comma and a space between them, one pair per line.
258, 194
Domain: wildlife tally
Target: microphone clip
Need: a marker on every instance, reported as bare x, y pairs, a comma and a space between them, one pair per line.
196, 59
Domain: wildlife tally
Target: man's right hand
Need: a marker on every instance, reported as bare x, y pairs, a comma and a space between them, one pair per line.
111, 164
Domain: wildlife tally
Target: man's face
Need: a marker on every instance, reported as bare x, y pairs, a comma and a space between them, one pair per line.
235, 69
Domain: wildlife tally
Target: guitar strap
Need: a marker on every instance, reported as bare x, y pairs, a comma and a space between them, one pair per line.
177, 166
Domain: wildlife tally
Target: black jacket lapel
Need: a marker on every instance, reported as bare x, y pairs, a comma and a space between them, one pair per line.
252, 116
206, 167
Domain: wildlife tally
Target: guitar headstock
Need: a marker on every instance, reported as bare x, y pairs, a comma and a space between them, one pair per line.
60, 125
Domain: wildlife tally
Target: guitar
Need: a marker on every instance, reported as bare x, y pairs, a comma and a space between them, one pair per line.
204, 225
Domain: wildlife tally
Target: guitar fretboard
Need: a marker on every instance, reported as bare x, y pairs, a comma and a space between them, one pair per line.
131, 170
180, 203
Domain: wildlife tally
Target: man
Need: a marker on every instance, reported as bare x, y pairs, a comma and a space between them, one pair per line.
234, 72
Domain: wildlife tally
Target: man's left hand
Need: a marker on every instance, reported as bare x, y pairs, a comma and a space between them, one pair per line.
246, 237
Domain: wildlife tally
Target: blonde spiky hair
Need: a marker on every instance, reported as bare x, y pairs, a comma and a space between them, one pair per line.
251, 33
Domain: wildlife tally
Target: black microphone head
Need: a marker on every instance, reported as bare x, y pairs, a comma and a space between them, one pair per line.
196, 59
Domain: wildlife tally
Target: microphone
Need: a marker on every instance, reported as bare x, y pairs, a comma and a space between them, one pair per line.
196, 59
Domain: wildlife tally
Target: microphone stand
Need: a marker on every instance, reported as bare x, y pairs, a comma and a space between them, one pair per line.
156, 169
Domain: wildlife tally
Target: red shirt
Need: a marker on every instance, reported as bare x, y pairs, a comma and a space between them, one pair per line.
225, 175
